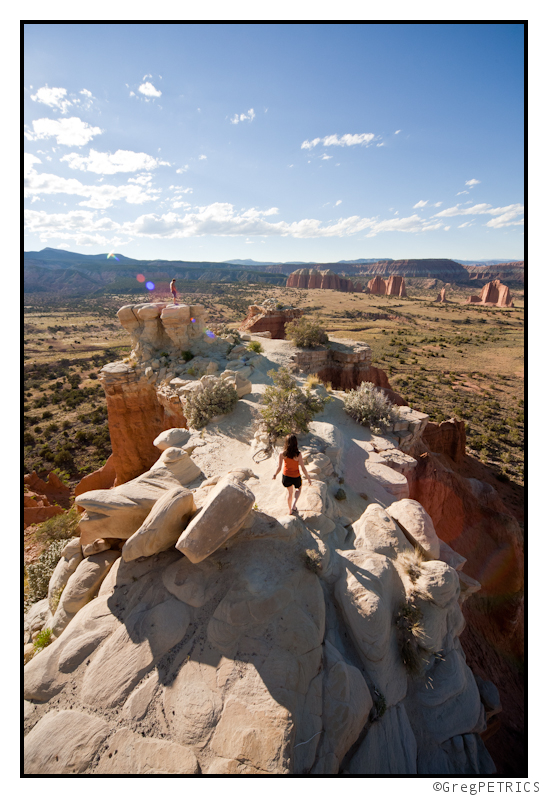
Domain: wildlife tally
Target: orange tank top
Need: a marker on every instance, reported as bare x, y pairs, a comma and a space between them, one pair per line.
291, 467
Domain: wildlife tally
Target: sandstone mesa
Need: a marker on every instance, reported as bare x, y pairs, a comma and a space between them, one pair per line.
200, 629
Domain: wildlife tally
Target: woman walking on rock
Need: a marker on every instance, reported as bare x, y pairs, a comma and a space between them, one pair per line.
291, 459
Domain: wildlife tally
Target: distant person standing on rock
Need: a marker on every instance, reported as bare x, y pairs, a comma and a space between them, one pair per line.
291, 459
173, 290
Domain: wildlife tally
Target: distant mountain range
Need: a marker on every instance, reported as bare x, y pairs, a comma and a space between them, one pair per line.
74, 274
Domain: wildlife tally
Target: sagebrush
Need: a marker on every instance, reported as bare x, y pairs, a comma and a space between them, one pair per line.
39, 573
255, 346
306, 333
286, 408
214, 400
370, 407
59, 527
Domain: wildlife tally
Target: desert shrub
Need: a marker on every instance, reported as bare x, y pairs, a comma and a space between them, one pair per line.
286, 408
312, 560
255, 346
306, 332
60, 527
312, 380
39, 573
28, 439
409, 626
370, 407
64, 458
43, 639
214, 400
187, 355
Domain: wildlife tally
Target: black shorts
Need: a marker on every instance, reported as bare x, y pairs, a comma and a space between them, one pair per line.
288, 481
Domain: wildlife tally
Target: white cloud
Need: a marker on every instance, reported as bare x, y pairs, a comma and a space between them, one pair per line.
146, 76
86, 93
338, 203
421, 204
397, 131
182, 169
325, 157
63, 246
448, 227
503, 217
72, 132
472, 182
106, 163
381, 144
465, 224
54, 97
462, 192
180, 204
202, 157
181, 189
348, 140
28, 162
101, 196
149, 90
142, 180
250, 116
437, 204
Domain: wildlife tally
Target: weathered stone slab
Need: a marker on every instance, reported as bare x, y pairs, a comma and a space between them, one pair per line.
82, 586
221, 516
389, 480
416, 524
177, 436
376, 531
129, 753
389, 747
163, 525
63, 742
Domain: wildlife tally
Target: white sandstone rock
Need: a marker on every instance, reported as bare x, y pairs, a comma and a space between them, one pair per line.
63, 742
163, 525
416, 525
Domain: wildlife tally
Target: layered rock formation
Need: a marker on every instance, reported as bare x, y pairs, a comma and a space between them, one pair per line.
345, 367
43, 499
268, 317
494, 293
314, 278
394, 286
279, 645
506, 272
441, 296
439, 268
172, 351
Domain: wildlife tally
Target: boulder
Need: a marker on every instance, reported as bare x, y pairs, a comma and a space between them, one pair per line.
63, 743
376, 531
71, 557
81, 587
163, 525
221, 516
416, 525
177, 437
128, 752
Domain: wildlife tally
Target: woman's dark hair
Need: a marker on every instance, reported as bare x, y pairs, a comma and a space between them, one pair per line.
291, 447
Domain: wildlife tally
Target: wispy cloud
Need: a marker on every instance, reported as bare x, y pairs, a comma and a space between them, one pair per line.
202, 157
249, 117
347, 140
396, 132
338, 203
97, 196
421, 204
54, 97
72, 131
502, 217
472, 182
462, 192
149, 90
182, 169
325, 157
106, 163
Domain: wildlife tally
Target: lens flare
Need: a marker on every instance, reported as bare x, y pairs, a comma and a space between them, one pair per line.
111, 255
150, 286
140, 278
193, 321
210, 334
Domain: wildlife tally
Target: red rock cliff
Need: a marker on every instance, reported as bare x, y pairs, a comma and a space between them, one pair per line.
312, 278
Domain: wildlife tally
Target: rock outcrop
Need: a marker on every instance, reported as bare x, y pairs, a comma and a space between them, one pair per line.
345, 367
393, 286
447, 438
441, 296
494, 293
277, 648
43, 499
269, 317
314, 278
439, 268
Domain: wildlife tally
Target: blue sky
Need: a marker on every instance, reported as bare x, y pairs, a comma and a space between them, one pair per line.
275, 142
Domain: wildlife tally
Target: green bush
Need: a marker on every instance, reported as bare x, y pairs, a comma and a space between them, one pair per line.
370, 407
39, 573
255, 346
306, 332
187, 355
43, 639
214, 400
286, 408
